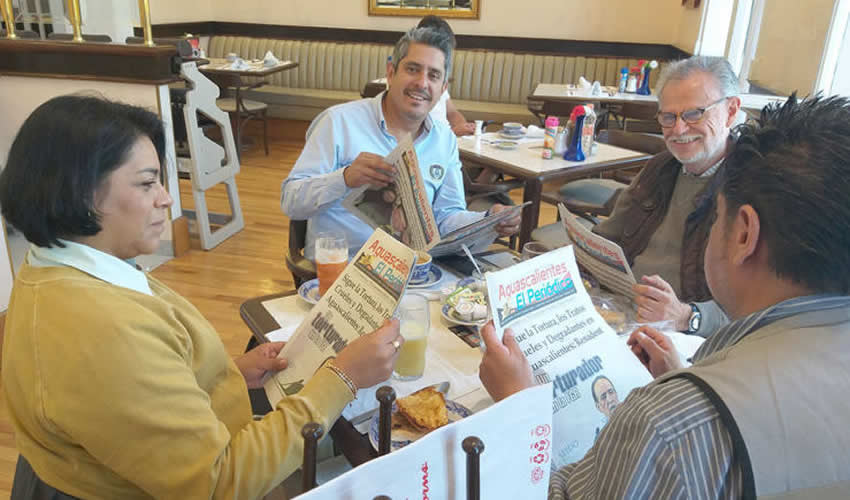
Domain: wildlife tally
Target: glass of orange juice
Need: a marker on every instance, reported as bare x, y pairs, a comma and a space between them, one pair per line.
415, 317
331, 258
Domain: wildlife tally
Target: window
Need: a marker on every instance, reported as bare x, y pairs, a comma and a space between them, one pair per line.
834, 72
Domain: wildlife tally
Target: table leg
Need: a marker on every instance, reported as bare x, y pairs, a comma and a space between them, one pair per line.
238, 123
532, 191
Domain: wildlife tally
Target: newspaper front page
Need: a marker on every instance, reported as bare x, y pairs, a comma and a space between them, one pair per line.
568, 344
365, 294
517, 437
403, 209
603, 258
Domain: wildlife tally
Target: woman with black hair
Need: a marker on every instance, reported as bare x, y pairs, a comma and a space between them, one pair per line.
117, 386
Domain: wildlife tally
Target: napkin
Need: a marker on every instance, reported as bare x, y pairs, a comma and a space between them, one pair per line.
533, 131
270, 60
583, 83
239, 64
596, 89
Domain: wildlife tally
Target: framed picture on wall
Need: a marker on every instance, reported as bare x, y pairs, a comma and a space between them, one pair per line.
469, 9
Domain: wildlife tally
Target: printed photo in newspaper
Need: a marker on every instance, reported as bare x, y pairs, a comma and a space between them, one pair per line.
365, 294
403, 210
567, 343
603, 258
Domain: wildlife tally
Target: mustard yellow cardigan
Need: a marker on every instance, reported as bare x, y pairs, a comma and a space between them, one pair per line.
117, 394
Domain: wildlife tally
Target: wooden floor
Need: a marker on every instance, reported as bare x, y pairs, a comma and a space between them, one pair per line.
249, 264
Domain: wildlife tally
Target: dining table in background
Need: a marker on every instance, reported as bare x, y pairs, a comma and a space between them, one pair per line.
752, 104
526, 162
240, 80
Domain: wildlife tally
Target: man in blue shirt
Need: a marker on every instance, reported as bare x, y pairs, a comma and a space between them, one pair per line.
346, 145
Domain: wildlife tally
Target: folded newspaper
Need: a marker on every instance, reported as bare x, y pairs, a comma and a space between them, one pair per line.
403, 209
362, 297
603, 258
568, 344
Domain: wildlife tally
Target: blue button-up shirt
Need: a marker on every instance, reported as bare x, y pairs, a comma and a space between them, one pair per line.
315, 188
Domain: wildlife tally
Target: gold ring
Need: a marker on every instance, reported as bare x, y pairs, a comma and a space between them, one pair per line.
396, 344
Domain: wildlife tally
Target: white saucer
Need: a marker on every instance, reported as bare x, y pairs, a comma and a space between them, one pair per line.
506, 135
435, 274
309, 291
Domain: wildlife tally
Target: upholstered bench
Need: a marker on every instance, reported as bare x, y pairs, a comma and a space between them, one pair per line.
485, 84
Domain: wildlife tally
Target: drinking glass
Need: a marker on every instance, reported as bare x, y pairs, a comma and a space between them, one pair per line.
415, 317
532, 249
331, 258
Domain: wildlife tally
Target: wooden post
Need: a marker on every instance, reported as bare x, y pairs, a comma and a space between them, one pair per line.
473, 447
386, 396
311, 433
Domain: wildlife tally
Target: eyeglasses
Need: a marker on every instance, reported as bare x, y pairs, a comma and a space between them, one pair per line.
690, 116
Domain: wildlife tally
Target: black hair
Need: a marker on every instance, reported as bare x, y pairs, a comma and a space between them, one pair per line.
793, 167
437, 23
61, 155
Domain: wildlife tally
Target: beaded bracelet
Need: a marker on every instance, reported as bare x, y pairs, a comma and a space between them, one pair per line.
341, 374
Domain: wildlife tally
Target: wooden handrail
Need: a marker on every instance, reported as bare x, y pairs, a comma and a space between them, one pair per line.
90, 61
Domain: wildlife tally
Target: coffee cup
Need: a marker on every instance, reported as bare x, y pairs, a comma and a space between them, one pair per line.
422, 267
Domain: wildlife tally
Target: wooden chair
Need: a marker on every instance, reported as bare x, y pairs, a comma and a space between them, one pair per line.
24, 34
481, 196
638, 117
302, 269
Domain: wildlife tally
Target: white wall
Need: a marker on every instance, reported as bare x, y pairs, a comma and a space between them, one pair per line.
647, 21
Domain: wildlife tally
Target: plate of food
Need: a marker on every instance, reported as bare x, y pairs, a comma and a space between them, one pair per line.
416, 415
466, 304
309, 291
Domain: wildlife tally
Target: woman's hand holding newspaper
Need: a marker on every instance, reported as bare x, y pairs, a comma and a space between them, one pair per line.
504, 370
370, 358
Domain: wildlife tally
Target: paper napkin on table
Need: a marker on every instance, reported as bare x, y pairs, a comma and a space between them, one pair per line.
270, 60
534, 131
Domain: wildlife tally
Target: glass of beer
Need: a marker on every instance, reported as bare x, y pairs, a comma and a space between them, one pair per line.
331, 258
415, 317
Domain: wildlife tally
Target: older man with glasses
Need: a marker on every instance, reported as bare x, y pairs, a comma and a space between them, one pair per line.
662, 220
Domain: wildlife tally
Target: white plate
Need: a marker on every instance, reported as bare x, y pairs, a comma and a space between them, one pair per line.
402, 437
435, 274
309, 291
447, 312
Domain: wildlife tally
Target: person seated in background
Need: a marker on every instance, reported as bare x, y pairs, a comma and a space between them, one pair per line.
757, 413
118, 387
445, 110
346, 145
663, 218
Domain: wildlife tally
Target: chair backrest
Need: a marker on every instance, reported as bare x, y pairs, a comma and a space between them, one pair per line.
184, 48
645, 143
87, 38
297, 236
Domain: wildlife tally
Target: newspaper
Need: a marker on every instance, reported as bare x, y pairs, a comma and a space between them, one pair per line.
517, 437
365, 294
603, 258
403, 209
568, 344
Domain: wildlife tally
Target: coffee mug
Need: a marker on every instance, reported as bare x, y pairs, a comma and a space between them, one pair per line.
421, 268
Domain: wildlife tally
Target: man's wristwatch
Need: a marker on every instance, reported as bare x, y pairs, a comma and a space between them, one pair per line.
695, 320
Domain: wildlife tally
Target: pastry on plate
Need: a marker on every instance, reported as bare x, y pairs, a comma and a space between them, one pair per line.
425, 409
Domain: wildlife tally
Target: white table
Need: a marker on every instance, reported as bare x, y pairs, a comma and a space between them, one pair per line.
527, 163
